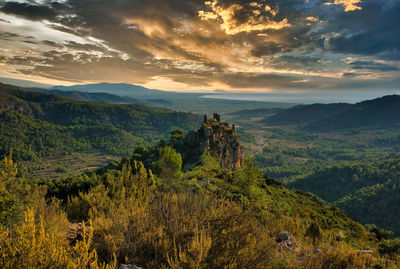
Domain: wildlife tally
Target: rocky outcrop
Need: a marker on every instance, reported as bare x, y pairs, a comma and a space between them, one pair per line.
217, 138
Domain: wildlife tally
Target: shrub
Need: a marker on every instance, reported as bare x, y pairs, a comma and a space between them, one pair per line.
390, 247
30, 246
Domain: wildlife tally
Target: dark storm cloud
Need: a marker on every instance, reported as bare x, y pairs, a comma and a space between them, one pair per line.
303, 61
238, 43
267, 48
33, 12
374, 31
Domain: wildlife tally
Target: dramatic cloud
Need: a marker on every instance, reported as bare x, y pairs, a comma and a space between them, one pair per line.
236, 18
372, 65
349, 5
33, 12
197, 45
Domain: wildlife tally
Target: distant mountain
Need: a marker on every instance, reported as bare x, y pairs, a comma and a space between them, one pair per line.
180, 101
377, 113
303, 114
49, 124
100, 97
122, 89
23, 83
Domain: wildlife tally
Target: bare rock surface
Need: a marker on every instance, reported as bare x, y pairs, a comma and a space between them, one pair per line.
216, 137
285, 241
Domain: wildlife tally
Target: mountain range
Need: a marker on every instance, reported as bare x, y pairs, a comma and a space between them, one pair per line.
377, 113
122, 93
122, 89
101, 97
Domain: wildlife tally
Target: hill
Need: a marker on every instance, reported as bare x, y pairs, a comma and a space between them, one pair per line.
303, 114
53, 124
23, 83
377, 113
180, 101
122, 89
164, 217
368, 192
99, 97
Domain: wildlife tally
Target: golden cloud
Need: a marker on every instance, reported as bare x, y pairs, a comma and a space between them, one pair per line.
236, 18
349, 5
313, 19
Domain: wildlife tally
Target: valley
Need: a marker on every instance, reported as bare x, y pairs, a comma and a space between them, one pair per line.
215, 134
75, 147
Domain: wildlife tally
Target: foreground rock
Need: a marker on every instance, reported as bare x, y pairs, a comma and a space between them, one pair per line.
285, 242
75, 233
130, 266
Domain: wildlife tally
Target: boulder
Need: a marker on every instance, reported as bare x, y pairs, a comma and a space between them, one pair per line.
75, 233
285, 241
367, 251
130, 266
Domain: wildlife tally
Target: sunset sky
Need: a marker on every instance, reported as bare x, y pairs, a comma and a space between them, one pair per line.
236, 45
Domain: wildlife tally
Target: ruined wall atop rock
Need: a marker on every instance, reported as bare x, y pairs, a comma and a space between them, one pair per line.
216, 137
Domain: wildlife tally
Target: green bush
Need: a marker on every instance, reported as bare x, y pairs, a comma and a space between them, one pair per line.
390, 247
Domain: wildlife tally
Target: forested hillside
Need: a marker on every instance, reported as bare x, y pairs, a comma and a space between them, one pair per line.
101, 97
303, 114
179, 101
368, 192
163, 217
35, 124
190, 201
377, 113
350, 159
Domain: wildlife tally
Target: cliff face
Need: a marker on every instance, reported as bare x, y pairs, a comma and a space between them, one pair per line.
217, 138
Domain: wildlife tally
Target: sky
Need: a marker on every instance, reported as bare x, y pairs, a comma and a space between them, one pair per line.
193, 45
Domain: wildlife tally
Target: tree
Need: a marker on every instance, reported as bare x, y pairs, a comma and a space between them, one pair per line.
249, 175
390, 247
177, 135
209, 162
380, 234
314, 231
169, 166
11, 192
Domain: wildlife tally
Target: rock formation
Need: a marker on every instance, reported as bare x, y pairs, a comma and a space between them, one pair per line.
285, 241
217, 138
